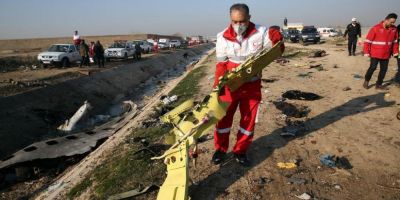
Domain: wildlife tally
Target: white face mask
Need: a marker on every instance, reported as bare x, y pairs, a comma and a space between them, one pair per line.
239, 28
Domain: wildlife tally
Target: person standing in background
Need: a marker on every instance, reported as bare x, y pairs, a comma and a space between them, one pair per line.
352, 30
76, 39
155, 46
84, 52
99, 54
91, 52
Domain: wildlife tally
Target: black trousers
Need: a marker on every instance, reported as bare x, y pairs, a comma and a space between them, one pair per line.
138, 55
352, 44
397, 77
100, 60
85, 61
382, 69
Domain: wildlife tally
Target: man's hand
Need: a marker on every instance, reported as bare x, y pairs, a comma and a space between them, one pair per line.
366, 55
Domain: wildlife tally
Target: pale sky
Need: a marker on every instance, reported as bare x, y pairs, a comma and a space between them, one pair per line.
57, 18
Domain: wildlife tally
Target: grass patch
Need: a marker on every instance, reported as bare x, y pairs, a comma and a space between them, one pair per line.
128, 169
188, 87
129, 165
78, 189
15, 62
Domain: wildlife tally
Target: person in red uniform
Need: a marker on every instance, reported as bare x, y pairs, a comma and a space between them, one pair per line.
155, 46
380, 44
235, 44
91, 52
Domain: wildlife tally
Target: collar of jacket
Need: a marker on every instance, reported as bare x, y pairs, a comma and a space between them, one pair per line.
230, 34
380, 25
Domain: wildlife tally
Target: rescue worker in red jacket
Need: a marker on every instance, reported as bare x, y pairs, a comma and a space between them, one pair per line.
397, 76
380, 44
240, 40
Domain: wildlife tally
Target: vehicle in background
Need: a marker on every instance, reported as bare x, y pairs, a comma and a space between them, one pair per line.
309, 34
328, 32
285, 34
144, 45
175, 44
184, 44
293, 35
120, 49
151, 45
59, 55
196, 40
163, 43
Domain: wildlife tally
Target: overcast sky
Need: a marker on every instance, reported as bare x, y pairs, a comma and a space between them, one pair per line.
56, 18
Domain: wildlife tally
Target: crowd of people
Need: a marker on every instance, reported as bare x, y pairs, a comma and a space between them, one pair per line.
93, 53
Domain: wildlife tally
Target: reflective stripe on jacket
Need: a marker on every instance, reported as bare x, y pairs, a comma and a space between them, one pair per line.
381, 43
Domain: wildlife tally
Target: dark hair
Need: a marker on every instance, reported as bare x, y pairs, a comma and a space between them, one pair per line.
391, 15
240, 7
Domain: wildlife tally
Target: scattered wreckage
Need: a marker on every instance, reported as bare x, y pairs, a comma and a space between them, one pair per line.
69, 145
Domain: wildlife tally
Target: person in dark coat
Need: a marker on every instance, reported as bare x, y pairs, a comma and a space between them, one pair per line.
353, 30
138, 51
84, 52
99, 54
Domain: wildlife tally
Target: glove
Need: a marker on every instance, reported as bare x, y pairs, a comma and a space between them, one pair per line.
219, 72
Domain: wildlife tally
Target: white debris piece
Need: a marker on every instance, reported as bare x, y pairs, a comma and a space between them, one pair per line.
70, 124
304, 196
167, 100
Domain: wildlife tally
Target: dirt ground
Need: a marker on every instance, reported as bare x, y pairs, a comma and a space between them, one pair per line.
354, 123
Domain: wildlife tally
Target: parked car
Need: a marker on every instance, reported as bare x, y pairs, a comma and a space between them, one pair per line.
309, 34
120, 49
144, 45
163, 43
285, 34
175, 44
328, 32
60, 55
294, 35
184, 44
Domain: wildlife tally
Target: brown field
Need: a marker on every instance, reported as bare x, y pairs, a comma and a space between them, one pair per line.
20, 47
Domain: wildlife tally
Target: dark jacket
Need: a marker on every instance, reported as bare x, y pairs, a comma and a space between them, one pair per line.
84, 50
353, 31
138, 49
98, 50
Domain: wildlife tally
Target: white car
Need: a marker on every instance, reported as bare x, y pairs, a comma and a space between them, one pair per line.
59, 54
327, 32
146, 47
120, 50
163, 43
175, 44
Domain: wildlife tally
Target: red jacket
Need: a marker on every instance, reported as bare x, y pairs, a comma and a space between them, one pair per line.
381, 43
231, 53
